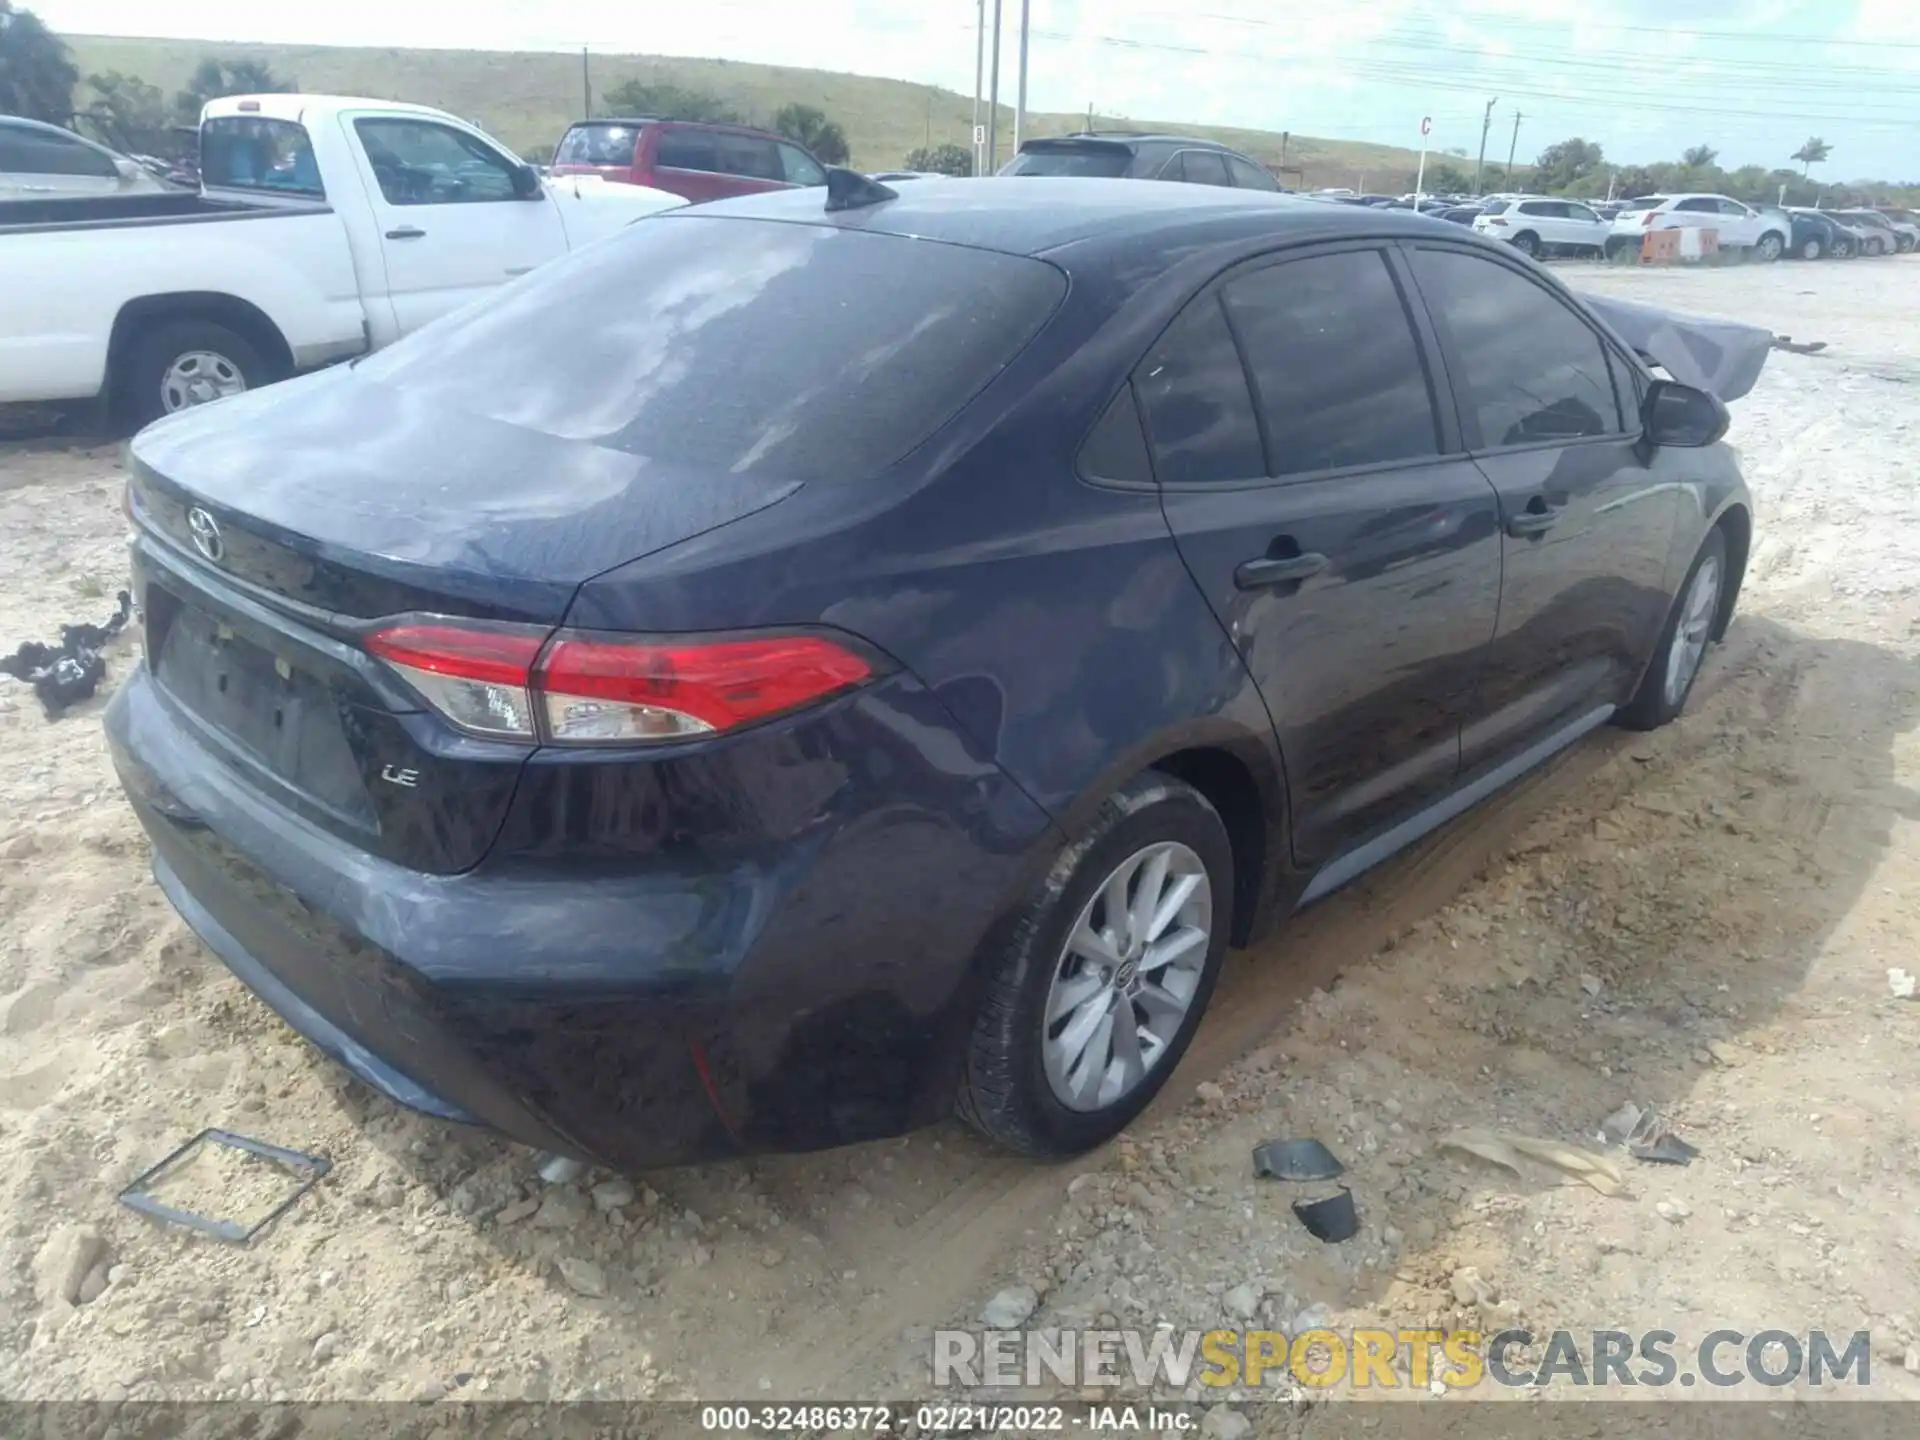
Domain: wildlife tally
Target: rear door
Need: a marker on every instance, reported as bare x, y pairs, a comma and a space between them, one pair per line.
1198, 167
1319, 497
452, 227
1551, 412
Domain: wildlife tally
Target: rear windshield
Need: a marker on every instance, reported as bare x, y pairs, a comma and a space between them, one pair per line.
804, 352
251, 152
597, 145
1100, 162
1647, 202
1495, 207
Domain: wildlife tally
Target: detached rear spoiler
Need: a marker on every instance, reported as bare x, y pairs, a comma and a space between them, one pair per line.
1722, 357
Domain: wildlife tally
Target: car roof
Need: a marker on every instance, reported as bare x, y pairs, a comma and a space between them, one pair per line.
21, 122
638, 120
1134, 137
1031, 215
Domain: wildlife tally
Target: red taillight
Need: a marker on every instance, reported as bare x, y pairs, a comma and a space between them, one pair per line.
581, 687
1647, 224
603, 688
1496, 220
478, 676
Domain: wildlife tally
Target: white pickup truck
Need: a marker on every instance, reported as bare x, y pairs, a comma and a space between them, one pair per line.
325, 227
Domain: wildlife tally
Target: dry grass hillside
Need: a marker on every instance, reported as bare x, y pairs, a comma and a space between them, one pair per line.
527, 99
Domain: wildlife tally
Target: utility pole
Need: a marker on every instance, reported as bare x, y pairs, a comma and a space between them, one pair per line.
1513, 147
1020, 102
1486, 124
993, 99
979, 72
586, 87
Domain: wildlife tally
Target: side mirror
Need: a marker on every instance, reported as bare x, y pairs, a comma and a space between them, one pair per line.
526, 182
1677, 414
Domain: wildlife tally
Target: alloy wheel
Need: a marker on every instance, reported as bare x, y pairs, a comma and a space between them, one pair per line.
1125, 980
1694, 628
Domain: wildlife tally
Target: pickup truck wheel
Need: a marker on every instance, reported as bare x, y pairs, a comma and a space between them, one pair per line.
179, 364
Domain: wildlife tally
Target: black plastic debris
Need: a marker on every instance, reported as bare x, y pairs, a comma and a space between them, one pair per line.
1295, 1160
301, 1171
1333, 1219
64, 675
1803, 347
1646, 1136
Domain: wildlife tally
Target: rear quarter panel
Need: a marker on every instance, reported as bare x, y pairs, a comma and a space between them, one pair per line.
65, 287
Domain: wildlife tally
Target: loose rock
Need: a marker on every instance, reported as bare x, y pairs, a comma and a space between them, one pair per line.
326, 1347
1224, 1423
583, 1277
1243, 1301
63, 1263
614, 1194
1010, 1308
561, 1208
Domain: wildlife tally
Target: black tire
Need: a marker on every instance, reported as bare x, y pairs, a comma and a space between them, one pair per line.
1528, 244
1843, 249
152, 353
1618, 245
1771, 247
1005, 1093
1813, 249
1656, 702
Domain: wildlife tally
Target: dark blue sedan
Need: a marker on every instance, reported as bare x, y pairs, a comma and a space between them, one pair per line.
797, 667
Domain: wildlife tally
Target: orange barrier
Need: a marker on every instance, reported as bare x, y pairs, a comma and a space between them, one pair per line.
1659, 246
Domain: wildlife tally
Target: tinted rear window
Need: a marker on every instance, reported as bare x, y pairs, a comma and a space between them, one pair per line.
1494, 207
597, 145
797, 351
1097, 161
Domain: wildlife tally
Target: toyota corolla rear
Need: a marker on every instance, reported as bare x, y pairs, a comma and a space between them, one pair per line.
623, 894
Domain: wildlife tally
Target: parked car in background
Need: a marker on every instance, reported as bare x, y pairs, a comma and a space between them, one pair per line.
1860, 239
887, 177
1903, 221
1543, 226
43, 162
1886, 237
325, 226
696, 161
1462, 214
1140, 157
631, 714
1816, 236
1737, 226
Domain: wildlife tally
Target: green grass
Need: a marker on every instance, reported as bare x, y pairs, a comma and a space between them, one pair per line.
527, 99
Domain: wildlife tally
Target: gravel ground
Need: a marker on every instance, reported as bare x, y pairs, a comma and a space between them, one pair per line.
1700, 920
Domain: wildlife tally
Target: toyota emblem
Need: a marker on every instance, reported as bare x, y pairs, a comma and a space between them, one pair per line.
206, 534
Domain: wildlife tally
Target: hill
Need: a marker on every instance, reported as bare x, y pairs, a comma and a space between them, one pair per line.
528, 98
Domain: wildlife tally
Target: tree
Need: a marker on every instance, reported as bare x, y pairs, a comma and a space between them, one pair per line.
1698, 157
664, 100
1565, 165
1811, 154
1446, 179
942, 160
128, 114
37, 74
812, 128
215, 79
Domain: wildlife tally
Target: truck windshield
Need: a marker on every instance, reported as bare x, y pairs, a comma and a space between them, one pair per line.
802, 352
251, 152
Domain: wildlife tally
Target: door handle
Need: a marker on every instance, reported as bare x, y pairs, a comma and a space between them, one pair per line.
1538, 518
1278, 570
407, 232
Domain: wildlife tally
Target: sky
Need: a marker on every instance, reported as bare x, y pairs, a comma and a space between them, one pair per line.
1750, 78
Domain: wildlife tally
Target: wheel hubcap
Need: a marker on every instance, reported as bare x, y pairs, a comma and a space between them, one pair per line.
1125, 980
199, 377
1690, 635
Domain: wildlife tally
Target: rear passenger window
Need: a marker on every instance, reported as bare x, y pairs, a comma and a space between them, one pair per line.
1117, 448
1199, 412
1203, 167
687, 150
1336, 372
1249, 176
749, 156
1533, 369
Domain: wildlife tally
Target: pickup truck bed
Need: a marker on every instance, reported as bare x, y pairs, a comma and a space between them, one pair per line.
95, 212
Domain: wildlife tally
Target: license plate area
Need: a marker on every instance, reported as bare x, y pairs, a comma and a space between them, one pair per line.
260, 701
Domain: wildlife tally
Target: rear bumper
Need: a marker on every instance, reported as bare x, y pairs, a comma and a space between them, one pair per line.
633, 1014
